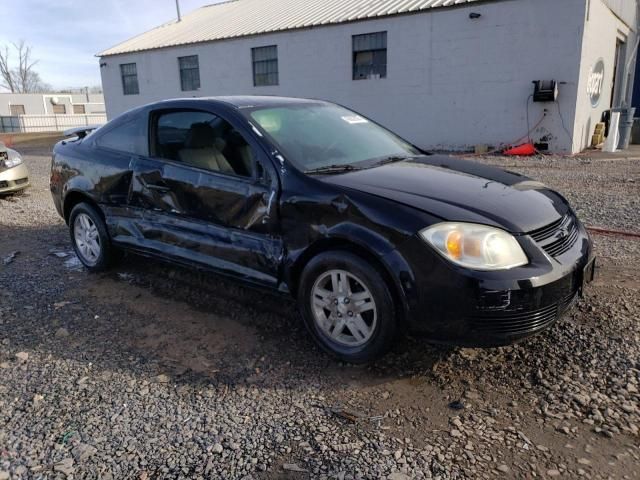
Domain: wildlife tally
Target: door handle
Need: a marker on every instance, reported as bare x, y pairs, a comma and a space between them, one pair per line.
154, 186
157, 188
267, 216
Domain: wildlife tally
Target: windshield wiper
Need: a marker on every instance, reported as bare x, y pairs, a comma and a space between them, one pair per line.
391, 159
332, 169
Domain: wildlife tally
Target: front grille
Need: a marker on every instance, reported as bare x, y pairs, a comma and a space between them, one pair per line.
558, 237
567, 302
543, 233
21, 181
516, 323
521, 322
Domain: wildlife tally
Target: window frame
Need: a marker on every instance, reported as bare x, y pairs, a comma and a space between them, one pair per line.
255, 62
78, 105
124, 75
372, 51
154, 115
182, 70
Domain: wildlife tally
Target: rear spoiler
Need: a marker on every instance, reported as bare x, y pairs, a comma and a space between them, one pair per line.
80, 132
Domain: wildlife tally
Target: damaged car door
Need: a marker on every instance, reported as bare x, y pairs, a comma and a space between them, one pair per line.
208, 194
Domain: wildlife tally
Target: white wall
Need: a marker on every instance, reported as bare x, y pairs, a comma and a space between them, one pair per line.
452, 82
32, 103
624, 9
602, 29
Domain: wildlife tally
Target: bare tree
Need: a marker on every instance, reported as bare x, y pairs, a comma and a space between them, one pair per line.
34, 84
6, 71
23, 78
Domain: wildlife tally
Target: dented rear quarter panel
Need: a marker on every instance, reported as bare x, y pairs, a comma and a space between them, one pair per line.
102, 176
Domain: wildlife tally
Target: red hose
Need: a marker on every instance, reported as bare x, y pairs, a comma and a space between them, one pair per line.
617, 233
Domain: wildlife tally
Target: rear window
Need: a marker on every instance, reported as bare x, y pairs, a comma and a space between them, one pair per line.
128, 137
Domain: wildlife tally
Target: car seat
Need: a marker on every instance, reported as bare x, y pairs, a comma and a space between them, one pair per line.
200, 150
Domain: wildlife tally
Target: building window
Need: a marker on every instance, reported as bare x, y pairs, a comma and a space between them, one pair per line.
370, 56
129, 73
79, 109
189, 73
16, 110
59, 110
265, 66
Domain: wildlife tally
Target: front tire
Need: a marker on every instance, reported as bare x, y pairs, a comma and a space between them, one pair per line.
90, 238
347, 307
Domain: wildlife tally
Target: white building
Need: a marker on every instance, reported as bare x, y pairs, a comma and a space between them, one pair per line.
49, 112
446, 74
12, 104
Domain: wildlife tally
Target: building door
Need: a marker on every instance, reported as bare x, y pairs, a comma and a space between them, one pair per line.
618, 91
636, 88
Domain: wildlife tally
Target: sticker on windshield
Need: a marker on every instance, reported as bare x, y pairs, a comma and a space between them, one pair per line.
354, 119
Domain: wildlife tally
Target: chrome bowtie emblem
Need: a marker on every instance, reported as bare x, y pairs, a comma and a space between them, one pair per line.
562, 233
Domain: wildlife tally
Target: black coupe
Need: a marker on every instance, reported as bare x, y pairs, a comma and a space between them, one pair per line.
369, 233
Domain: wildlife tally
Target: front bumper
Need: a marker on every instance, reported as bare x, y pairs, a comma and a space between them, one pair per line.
460, 307
14, 179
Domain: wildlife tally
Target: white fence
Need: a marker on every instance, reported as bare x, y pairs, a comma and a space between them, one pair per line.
48, 123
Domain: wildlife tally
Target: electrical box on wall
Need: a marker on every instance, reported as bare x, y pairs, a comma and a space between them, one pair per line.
545, 91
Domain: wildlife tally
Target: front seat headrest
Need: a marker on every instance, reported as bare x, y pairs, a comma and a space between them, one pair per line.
201, 135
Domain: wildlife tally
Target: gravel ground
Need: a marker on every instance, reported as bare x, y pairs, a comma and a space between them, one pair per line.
152, 371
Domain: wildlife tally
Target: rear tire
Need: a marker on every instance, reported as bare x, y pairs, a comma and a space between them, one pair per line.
90, 238
347, 307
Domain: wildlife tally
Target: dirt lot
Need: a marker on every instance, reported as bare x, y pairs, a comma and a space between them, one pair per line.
152, 371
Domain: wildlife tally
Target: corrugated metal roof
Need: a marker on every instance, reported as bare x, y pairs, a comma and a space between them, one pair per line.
238, 18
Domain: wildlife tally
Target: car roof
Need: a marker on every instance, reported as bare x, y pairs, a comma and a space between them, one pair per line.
247, 101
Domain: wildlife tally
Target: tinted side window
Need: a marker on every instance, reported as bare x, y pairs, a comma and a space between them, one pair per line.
130, 137
202, 140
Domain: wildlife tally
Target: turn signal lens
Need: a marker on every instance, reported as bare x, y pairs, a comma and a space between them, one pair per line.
454, 244
478, 247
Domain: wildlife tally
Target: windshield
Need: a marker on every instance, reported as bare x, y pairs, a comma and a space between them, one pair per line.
321, 135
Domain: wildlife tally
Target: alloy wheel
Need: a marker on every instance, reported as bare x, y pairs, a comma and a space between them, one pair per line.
87, 238
344, 308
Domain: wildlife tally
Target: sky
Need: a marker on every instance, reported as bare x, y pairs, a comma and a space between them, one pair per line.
65, 35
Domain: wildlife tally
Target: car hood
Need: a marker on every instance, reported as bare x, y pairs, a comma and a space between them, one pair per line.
461, 191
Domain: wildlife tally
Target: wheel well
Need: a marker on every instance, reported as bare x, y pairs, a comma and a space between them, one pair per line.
327, 245
74, 198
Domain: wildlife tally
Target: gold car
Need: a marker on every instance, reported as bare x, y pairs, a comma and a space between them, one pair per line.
14, 175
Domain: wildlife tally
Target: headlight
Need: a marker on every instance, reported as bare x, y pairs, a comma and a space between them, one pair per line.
13, 161
477, 247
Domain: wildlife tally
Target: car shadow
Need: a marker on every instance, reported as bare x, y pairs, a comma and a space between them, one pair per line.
152, 318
